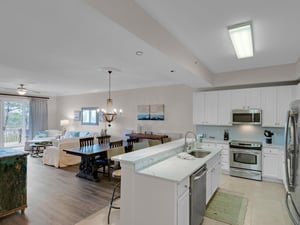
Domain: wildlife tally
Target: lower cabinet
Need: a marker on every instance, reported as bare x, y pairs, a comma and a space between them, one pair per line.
272, 163
183, 211
13, 180
213, 176
224, 157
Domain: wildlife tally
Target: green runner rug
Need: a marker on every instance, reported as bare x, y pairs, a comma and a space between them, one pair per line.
227, 208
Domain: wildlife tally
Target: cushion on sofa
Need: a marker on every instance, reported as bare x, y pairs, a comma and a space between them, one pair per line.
47, 133
85, 134
71, 134
41, 134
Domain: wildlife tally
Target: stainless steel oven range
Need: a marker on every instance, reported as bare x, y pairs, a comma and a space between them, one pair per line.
246, 159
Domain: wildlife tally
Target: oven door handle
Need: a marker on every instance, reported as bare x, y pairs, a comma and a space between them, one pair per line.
250, 152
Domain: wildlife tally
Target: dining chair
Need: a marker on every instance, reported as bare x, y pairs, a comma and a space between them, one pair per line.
117, 189
88, 141
101, 160
115, 144
154, 142
115, 174
104, 139
110, 163
140, 145
167, 139
130, 142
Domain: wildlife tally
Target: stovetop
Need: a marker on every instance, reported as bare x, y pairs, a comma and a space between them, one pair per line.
245, 144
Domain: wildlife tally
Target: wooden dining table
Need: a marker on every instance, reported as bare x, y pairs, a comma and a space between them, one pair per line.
88, 168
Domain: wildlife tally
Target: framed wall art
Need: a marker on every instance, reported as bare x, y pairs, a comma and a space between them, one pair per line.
76, 115
143, 112
150, 112
157, 112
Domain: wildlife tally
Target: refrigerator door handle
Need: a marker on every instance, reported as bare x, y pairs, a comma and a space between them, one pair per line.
290, 152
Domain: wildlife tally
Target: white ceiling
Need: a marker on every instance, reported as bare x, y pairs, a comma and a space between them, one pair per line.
59, 47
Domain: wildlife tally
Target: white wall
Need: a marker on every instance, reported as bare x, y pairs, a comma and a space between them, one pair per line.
177, 100
298, 68
257, 76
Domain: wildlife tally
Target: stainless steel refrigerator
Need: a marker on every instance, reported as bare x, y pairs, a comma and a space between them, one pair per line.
292, 162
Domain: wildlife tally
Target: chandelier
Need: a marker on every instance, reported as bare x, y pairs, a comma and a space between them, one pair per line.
110, 113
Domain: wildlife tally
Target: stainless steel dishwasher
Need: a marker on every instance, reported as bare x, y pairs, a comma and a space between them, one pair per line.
197, 196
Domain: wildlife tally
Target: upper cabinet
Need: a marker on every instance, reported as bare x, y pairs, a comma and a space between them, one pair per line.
224, 108
205, 109
275, 104
246, 98
215, 107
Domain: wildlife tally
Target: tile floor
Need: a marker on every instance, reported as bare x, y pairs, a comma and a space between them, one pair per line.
266, 204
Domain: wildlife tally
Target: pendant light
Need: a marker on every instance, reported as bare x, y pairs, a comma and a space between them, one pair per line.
110, 113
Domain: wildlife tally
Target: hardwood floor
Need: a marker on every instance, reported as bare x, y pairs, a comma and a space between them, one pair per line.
58, 197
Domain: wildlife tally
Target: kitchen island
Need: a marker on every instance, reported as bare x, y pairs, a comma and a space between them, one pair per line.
155, 184
13, 179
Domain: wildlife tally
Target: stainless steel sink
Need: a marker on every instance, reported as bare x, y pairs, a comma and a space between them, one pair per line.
199, 154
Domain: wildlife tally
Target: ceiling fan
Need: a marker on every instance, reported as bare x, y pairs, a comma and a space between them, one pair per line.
21, 90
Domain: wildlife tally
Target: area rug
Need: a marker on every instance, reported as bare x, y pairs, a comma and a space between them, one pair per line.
227, 208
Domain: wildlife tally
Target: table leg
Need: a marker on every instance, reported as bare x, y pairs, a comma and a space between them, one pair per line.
88, 169
34, 152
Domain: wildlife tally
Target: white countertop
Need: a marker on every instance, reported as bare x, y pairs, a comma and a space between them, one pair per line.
136, 156
176, 169
215, 140
161, 161
273, 146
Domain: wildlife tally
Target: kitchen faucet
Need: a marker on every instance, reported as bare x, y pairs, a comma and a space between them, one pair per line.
186, 145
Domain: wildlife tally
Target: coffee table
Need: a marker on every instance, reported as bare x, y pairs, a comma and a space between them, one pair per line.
37, 149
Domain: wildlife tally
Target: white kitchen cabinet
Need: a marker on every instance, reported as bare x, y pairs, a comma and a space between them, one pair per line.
245, 98
224, 108
213, 176
183, 211
272, 163
205, 108
284, 98
224, 157
274, 104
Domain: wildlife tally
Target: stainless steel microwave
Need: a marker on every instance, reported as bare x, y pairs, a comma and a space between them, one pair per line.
246, 116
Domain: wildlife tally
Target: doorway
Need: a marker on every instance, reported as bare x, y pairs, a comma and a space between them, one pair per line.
14, 122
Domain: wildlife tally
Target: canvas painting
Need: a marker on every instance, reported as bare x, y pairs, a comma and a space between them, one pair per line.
143, 112
157, 112
76, 116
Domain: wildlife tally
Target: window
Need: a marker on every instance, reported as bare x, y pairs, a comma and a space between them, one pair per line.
89, 116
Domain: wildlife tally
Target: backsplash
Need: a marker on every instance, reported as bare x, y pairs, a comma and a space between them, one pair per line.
242, 132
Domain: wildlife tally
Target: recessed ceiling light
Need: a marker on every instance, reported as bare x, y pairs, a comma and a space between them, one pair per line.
139, 53
172, 71
242, 39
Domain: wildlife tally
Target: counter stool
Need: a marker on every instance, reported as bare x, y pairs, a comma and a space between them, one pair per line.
116, 174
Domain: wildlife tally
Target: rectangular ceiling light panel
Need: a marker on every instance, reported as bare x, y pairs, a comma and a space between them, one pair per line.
242, 39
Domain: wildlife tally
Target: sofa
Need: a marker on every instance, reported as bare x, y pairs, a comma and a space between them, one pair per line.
55, 156
42, 136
